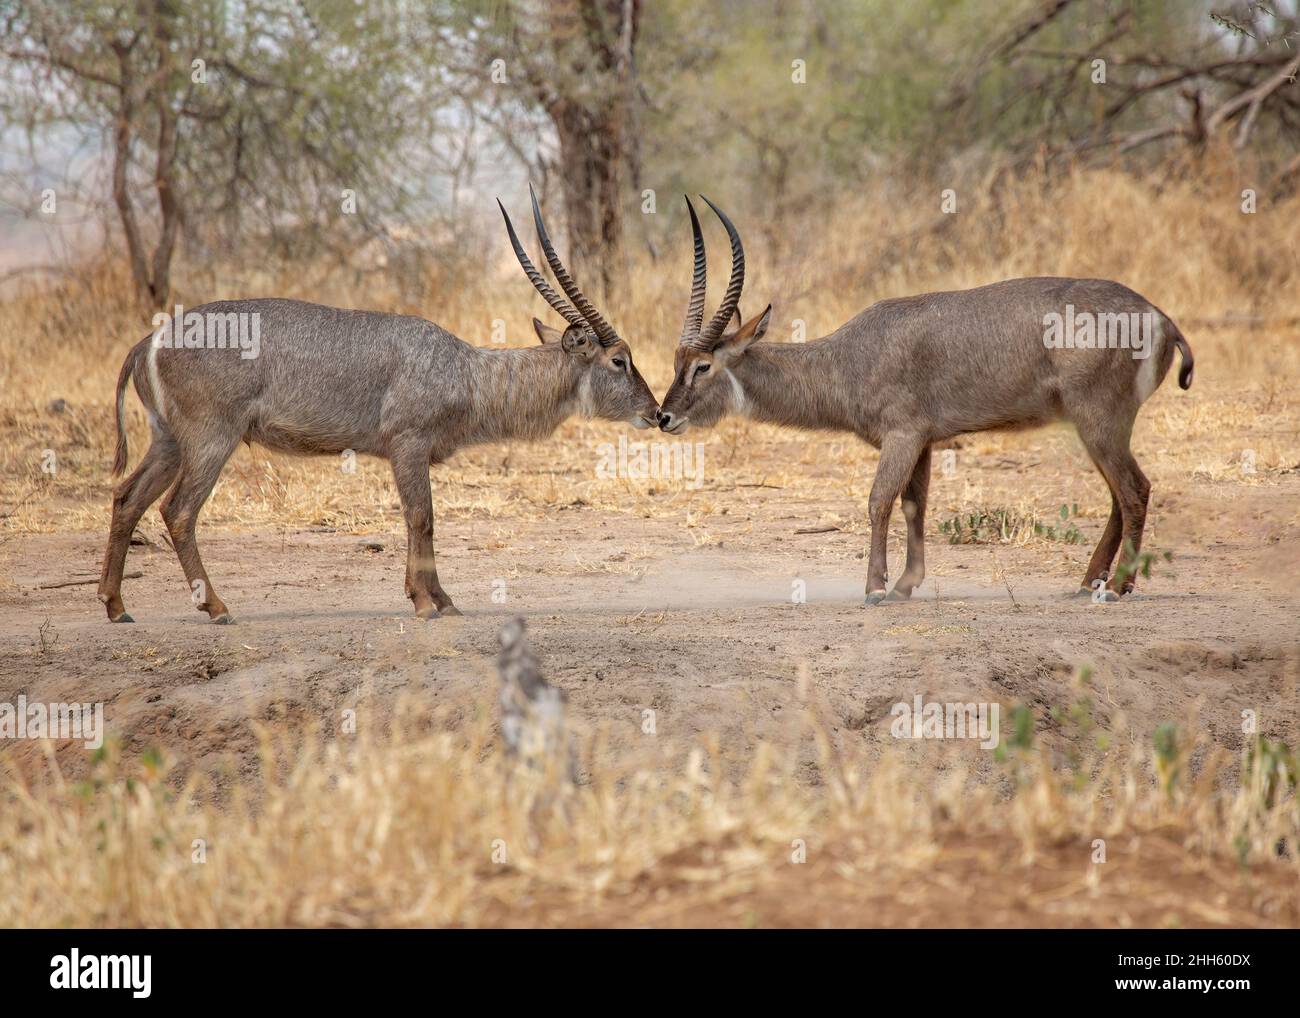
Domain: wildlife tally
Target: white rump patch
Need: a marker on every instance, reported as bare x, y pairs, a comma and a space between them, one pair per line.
155, 383
1148, 373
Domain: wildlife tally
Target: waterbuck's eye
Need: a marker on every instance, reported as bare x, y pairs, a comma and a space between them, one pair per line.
702, 369
619, 362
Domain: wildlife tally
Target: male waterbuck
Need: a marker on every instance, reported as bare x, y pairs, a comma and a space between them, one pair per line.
323, 380
912, 371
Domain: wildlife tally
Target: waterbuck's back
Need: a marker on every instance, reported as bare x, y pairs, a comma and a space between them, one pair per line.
302, 377
1014, 354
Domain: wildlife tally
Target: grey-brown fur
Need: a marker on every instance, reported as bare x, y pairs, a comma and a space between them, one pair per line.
328, 380
910, 372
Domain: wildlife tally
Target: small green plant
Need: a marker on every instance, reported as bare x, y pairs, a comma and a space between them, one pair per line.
1081, 729
47, 636
1066, 531
1021, 739
999, 525
1169, 756
1140, 565
1272, 767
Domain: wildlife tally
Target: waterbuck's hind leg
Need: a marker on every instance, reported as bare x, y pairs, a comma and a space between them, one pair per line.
411, 473
200, 467
1134, 497
899, 454
1130, 492
1104, 554
914, 499
133, 497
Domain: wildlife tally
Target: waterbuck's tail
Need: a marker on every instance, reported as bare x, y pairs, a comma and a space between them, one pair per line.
1188, 364
123, 376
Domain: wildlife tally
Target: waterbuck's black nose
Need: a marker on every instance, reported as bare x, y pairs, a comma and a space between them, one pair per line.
665, 420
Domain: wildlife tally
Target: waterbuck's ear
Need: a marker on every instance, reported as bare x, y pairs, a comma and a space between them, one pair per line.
545, 333
734, 344
576, 341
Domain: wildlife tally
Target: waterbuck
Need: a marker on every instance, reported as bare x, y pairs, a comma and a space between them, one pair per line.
912, 371
323, 380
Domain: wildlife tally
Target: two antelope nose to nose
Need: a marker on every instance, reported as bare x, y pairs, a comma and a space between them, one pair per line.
665, 420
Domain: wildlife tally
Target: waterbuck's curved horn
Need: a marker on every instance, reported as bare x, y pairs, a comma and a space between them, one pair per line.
566, 310
603, 330
695, 309
732, 297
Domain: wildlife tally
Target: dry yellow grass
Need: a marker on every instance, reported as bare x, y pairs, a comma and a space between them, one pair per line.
380, 829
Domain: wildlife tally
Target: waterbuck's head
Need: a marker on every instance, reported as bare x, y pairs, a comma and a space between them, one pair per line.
704, 387
608, 384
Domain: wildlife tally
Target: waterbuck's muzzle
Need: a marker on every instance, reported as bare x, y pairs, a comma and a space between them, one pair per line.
647, 413
671, 423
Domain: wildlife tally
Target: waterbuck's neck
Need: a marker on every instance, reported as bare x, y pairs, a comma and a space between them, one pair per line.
802, 385
522, 393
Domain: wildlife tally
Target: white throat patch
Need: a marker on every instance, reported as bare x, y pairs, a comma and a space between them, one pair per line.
739, 404
586, 403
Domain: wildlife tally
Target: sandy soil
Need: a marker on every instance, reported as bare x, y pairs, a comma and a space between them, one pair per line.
630, 614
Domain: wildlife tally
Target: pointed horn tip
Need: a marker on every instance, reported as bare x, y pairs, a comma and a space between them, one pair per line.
721, 215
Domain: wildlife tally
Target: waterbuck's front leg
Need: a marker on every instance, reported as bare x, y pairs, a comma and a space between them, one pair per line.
411, 472
900, 454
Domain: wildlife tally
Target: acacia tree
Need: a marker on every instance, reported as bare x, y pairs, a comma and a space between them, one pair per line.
244, 122
1082, 76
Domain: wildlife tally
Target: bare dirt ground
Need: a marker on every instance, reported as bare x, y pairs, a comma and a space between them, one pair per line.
632, 613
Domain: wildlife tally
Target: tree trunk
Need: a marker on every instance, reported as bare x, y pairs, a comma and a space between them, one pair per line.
151, 273
592, 126
591, 170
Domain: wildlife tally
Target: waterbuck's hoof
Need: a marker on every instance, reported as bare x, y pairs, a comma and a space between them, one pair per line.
1081, 594
898, 595
874, 597
124, 617
1106, 597
451, 609
429, 613
223, 619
